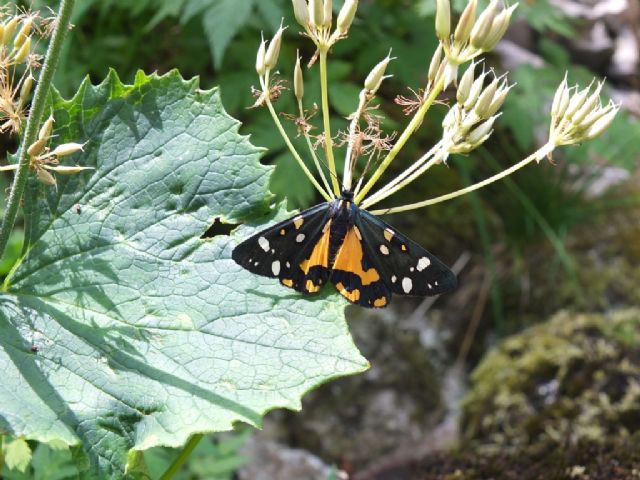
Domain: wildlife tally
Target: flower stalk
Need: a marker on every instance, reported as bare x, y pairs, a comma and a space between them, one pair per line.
576, 115
35, 119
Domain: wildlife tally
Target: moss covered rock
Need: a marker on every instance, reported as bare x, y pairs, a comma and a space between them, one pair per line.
571, 380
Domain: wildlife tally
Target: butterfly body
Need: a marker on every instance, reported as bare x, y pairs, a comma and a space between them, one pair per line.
338, 242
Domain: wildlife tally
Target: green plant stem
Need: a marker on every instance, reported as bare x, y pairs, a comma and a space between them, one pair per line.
35, 119
325, 183
537, 155
416, 121
285, 137
328, 141
182, 457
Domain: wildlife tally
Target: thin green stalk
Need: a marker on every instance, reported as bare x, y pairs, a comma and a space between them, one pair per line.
35, 119
182, 457
537, 155
416, 121
328, 141
424, 163
313, 152
292, 149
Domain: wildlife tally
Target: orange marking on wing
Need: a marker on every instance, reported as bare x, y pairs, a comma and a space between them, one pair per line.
380, 302
320, 254
349, 259
288, 282
353, 296
282, 232
403, 247
311, 287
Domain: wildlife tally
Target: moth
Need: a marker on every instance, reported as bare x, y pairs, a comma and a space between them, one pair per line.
338, 242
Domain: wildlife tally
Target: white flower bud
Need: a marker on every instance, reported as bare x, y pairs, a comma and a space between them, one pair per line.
375, 77
328, 13
301, 12
316, 13
46, 129
45, 177
602, 124
273, 51
482, 27
298, 80
465, 24
260, 58
346, 16
443, 19
67, 149
464, 88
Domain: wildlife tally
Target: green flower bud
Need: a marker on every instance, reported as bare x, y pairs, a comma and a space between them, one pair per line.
46, 129
346, 16
24, 32
328, 13
482, 27
465, 24
375, 77
298, 80
273, 51
603, 123
486, 97
464, 88
443, 19
434, 66
45, 177
67, 170
301, 12
316, 13
67, 149
23, 52
37, 147
8, 30
260, 58
498, 28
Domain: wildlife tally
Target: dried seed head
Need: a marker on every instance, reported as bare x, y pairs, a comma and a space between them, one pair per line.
375, 77
45, 177
67, 149
260, 58
301, 12
346, 16
465, 24
298, 80
316, 13
482, 27
443, 19
273, 51
46, 129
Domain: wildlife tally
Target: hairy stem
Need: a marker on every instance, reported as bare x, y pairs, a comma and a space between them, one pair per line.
328, 141
416, 121
537, 155
35, 118
285, 137
182, 457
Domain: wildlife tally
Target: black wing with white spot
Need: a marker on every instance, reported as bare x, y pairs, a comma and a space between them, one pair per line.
280, 251
405, 267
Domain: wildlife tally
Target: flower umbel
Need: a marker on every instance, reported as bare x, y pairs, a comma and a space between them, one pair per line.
576, 115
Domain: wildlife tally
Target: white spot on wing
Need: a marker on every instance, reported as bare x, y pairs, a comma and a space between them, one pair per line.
275, 267
384, 250
407, 284
264, 244
300, 237
394, 278
423, 263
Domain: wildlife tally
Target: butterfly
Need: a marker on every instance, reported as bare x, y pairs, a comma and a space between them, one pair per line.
338, 242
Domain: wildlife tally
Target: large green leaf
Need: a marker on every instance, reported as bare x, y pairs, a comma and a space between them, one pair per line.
122, 328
